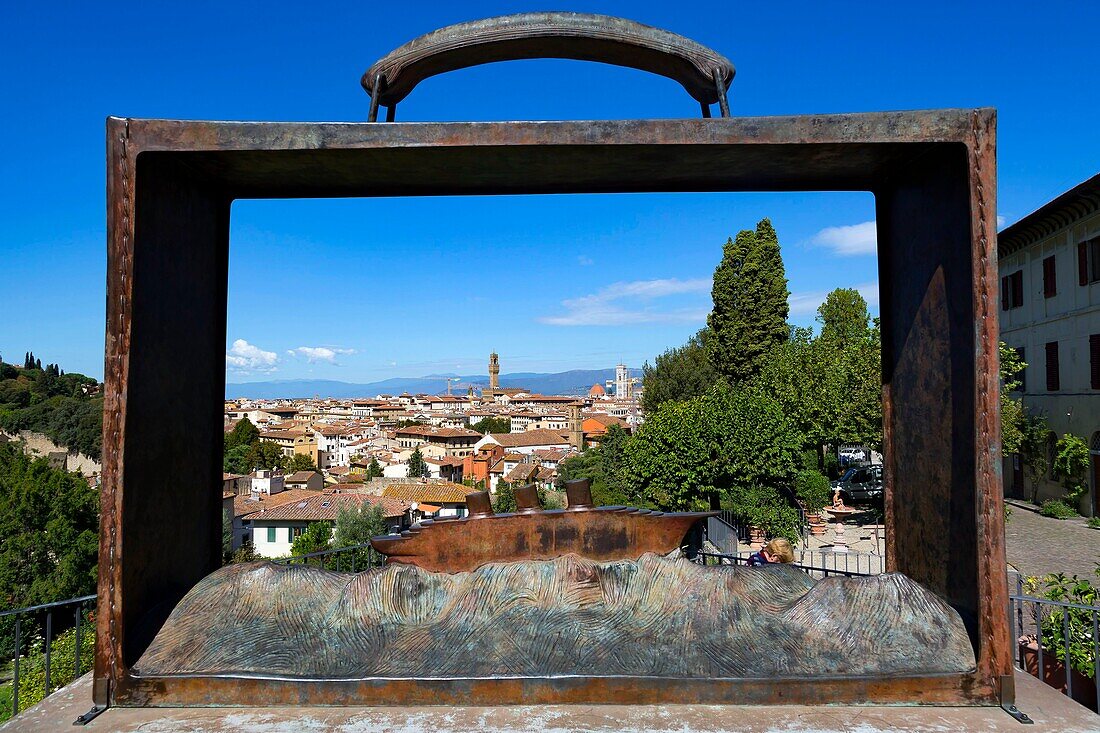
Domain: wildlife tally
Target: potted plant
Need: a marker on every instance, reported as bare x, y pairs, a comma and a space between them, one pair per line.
768, 514
812, 490
1053, 622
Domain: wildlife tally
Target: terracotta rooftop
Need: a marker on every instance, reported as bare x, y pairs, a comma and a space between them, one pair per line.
246, 505
530, 438
322, 507
300, 477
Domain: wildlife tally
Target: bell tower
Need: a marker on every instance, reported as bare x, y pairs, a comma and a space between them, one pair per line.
494, 372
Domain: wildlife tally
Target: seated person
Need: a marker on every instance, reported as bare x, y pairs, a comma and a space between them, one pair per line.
778, 550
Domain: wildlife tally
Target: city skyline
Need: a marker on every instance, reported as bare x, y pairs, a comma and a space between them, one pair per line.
360, 290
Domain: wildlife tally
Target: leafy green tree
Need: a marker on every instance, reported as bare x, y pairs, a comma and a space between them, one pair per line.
301, 462
749, 318
417, 467
1012, 409
374, 469
266, 455
678, 374
843, 316
227, 536
355, 526
493, 425
1071, 461
831, 386
243, 433
316, 538
49, 534
694, 453
235, 460
504, 500
245, 553
812, 488
52, 403
1034, 437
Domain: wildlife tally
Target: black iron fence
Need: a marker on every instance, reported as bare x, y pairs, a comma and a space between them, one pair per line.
824, 570
340, 560
50, 645
1057, 641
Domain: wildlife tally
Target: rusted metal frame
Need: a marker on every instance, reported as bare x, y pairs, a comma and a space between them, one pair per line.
152, 271
948, 689
176, 136
579, 36
946, 520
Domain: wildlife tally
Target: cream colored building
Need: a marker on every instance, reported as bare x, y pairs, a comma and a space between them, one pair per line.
1049, 265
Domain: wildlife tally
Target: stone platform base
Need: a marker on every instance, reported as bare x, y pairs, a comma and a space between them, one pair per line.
1051, 711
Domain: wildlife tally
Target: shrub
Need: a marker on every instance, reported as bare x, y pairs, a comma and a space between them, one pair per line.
766, 508
812, 489
32, 667
1070, 464
1055, 620
1094, 522
1057, 509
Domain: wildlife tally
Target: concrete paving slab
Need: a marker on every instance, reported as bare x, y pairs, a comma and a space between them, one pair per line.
1051, 711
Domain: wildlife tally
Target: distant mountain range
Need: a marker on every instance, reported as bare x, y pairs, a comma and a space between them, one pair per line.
574, 382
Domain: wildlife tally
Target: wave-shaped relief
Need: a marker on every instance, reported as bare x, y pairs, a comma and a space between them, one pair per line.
655, 616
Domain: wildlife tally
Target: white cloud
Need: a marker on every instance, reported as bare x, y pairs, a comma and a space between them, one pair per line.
319, 353
1000, 221
604, 308
246, 357
802, 304
848, 241
585, 261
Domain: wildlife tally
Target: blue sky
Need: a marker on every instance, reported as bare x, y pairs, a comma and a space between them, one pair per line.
366, 289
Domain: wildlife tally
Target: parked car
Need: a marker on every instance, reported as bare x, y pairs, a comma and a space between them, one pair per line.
852, 454
861, 485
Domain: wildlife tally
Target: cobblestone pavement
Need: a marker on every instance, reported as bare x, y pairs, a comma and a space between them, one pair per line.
1039, 545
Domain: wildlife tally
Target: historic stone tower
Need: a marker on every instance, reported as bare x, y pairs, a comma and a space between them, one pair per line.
576, 431
494, 372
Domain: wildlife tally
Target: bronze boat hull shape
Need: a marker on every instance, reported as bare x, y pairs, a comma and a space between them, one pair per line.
531, 533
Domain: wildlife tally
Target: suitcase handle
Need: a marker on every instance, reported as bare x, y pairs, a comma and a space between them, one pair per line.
704, 73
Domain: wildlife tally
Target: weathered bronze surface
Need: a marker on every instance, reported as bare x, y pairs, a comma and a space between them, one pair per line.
654, 617
170, 187
531, 533
704, 73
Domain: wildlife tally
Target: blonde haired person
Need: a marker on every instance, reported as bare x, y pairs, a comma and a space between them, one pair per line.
778, 550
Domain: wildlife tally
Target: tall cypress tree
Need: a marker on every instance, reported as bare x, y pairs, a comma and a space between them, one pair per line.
750, 294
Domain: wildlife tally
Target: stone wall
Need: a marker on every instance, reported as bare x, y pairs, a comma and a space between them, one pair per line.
40, 446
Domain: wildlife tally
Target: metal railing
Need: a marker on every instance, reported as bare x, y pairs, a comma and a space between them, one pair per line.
341, 560
824, 571
1058, 642
47, 619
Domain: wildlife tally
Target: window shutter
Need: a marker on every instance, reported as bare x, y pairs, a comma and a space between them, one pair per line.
1094, 359
1053, 382
1017, 288
1004, 293
1050, 283
1082, 264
